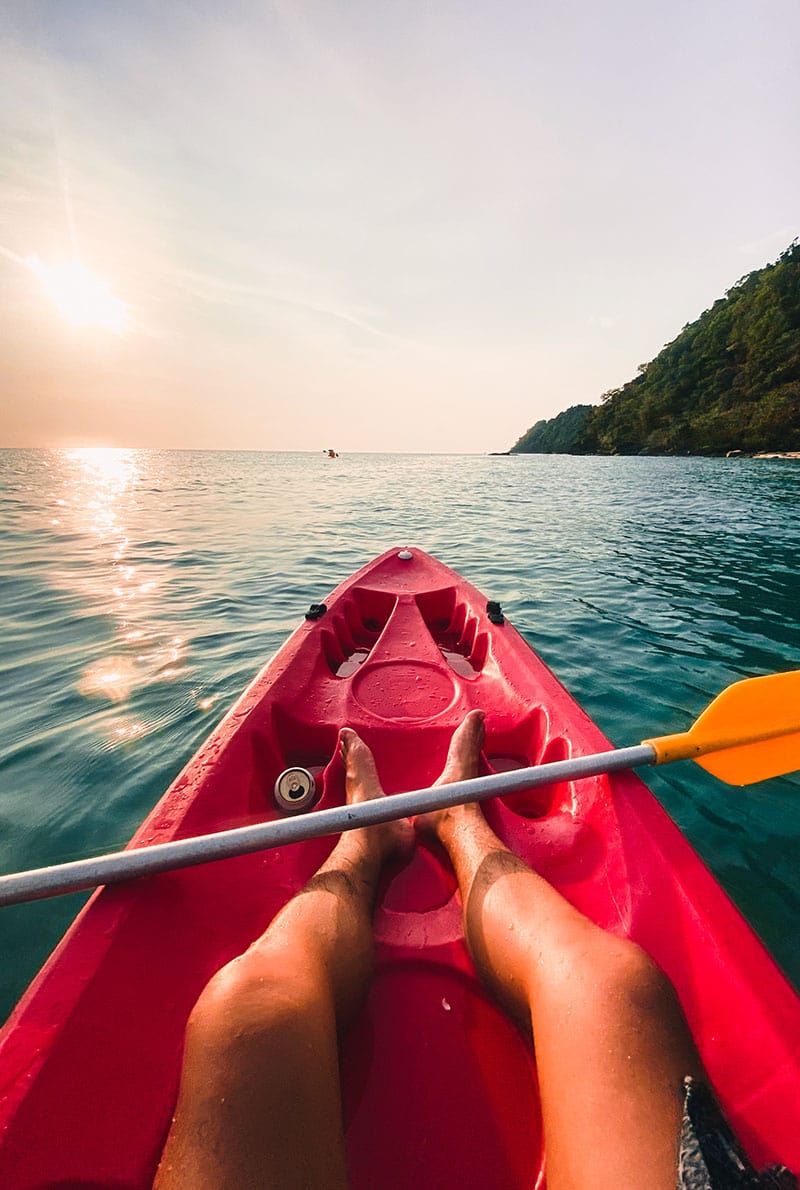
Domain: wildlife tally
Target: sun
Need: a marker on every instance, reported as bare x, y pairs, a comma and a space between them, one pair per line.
81, 297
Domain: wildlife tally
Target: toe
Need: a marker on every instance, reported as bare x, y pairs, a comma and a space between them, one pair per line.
347, 737
463, 755
361, 773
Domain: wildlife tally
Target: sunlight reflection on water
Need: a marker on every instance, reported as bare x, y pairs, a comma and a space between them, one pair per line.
101, 493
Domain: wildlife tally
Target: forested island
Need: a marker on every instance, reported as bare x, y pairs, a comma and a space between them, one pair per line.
729, 382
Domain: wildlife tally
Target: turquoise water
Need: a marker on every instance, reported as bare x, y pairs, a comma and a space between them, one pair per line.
140, 591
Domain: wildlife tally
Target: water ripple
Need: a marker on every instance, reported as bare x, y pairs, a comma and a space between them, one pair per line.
646, 584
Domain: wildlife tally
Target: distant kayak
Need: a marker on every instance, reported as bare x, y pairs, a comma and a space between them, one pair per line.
439, 1088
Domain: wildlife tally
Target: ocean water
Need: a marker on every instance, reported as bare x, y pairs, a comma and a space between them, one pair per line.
140, 591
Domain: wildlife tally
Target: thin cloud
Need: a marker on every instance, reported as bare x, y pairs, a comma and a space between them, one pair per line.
216, 291
306, 205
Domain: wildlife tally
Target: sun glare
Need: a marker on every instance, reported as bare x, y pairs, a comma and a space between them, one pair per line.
81, 297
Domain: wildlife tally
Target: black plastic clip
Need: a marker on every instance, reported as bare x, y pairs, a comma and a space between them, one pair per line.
495, 613
316, 611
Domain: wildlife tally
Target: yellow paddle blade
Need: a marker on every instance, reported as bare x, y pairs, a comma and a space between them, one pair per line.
750, 732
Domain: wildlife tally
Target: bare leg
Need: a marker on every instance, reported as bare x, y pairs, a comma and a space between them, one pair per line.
612, 1045
259, 1102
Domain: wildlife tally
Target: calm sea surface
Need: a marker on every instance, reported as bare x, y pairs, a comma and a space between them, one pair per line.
141, 591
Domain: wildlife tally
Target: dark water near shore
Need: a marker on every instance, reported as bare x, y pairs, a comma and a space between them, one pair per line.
140, 591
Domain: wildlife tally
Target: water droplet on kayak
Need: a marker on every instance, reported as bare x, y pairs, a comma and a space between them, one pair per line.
446, 1004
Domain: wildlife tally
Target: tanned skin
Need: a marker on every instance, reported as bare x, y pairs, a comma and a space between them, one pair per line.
261, 1063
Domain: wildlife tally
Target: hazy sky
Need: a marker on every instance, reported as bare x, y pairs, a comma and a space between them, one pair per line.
376, 225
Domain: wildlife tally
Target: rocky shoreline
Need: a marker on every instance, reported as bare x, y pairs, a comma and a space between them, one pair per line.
763, 454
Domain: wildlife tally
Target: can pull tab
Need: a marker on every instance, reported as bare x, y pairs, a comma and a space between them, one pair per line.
295, 790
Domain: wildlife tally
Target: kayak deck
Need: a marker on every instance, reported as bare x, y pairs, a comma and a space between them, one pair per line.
439, 1087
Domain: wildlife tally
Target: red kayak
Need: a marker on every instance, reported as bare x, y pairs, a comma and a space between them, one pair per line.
440, 1089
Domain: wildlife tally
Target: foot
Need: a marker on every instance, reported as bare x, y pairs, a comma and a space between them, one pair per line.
463, 762
362, 784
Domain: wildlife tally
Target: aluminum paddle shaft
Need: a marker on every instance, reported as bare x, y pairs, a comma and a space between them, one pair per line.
39, 883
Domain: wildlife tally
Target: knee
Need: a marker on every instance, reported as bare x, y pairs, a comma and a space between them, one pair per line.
630, 977
615, 974
250, 1005
632, 992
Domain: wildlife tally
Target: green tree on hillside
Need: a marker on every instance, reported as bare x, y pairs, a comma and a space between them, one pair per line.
559, 435
729, 381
